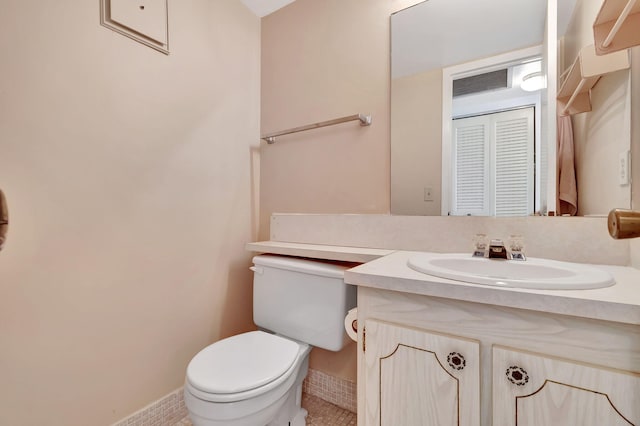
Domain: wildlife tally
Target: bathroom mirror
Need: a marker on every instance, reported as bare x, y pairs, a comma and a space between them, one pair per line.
4, 219
460, 65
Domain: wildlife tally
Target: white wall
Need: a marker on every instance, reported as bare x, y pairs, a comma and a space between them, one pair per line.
129, 176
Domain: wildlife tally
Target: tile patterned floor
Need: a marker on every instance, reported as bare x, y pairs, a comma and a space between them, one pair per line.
184, 422
321, 413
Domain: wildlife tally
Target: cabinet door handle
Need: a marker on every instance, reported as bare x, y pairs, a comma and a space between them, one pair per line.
517, 375
456, 361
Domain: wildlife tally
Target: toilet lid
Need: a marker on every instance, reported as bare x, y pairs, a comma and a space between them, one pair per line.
241, 363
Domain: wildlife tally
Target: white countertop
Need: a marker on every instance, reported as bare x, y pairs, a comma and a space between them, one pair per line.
619, 303
319, 251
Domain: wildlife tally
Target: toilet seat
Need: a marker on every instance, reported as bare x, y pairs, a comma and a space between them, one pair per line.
243, 366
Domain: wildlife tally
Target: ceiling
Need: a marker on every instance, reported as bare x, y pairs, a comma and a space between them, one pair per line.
433, 37
265, 7
440, 33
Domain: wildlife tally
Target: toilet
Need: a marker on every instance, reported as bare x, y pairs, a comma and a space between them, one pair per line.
255, 378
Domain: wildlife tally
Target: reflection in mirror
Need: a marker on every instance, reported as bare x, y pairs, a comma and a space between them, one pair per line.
495, 110
602, 136
4, 219
468, 137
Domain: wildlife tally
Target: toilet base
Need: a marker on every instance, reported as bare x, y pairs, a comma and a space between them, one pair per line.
298, 420
291, 413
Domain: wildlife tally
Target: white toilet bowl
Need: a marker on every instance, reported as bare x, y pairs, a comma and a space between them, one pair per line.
252, 379
255, 378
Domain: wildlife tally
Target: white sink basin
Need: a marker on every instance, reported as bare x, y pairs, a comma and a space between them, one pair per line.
532, 273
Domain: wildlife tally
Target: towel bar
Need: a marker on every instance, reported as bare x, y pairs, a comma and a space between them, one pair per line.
365, 120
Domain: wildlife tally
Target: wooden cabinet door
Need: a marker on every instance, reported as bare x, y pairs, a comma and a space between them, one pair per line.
416, 378
533, 390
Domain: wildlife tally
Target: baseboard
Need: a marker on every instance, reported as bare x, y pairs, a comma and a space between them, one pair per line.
170, 410
167, 411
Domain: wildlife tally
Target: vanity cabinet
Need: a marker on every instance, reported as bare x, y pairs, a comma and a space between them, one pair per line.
420, 378
532, 390
519, 367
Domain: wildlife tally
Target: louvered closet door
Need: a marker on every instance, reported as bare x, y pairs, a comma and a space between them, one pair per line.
513, 132
471, 165
493, 164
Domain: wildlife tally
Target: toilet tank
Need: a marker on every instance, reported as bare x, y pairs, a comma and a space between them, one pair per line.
303, 299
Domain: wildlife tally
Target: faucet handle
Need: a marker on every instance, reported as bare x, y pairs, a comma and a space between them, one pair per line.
516, 247
516, 242
480, 243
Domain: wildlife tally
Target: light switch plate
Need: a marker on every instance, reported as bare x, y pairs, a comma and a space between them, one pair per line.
624, 168
145, 21
428, 193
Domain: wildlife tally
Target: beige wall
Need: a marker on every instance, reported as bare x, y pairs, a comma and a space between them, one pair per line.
602, 134
416, 124
129, 180
323, 60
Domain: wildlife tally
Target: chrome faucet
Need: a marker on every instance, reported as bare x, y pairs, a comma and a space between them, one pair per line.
496, 248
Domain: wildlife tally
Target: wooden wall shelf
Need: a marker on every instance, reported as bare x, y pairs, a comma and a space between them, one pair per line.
617, 26
574, 95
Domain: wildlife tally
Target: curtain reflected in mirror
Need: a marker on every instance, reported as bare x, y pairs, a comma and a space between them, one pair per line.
4, 219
